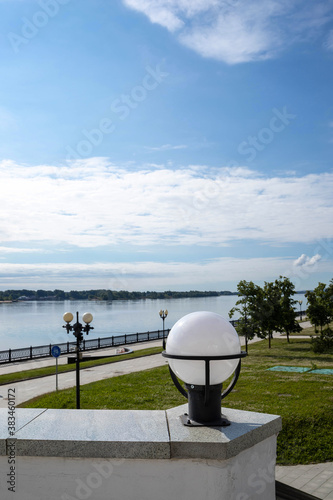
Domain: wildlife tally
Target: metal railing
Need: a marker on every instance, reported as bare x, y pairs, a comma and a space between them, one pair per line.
44, 351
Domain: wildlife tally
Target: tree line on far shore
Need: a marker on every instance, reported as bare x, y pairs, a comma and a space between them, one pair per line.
107, 295
264, 310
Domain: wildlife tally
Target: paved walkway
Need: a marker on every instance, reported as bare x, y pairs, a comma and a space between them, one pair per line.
29, 389
62, 360
316, 480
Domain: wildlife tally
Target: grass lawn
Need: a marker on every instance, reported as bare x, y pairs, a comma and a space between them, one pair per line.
304, 400
306, 331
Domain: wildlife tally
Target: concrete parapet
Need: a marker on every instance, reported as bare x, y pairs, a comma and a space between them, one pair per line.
137, 455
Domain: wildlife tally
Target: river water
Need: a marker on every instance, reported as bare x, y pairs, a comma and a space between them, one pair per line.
24, 324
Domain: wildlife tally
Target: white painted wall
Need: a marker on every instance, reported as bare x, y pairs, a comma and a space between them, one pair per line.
250, 475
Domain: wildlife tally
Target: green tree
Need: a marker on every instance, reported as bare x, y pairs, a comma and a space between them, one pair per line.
320, 312
59, 294
247, 309
286, 319
265, 310
40, 294
269, 310
320, 309
329, 292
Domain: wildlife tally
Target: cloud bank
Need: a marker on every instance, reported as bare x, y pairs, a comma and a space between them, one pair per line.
62, 225
213, 274
91, 203
237, 31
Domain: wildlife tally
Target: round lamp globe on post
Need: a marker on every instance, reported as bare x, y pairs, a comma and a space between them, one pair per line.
203, 350
163, 315
68, 317
87, 317
77, 330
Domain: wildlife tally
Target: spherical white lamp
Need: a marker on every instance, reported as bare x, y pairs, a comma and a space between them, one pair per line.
87, 318
203, 334
68, 317
203, 350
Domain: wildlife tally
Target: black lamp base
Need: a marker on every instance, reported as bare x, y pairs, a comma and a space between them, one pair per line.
220, 422
204, 406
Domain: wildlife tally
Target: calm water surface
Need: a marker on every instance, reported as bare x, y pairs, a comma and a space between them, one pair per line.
38, 323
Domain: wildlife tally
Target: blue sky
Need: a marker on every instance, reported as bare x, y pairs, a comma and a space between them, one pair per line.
163, 144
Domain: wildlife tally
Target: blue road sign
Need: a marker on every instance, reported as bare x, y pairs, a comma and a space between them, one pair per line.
55, 351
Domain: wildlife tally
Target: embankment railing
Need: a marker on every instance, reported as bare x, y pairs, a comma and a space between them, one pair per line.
44, 351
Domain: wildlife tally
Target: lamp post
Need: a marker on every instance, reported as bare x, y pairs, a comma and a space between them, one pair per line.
163, 315
245, 318
77, 329
300, 309
203, 350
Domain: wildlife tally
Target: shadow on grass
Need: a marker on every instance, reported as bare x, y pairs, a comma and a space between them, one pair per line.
314, 359
284, 351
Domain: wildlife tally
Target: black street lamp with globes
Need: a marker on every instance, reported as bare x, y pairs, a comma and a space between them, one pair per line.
163, 315
300, 309
77, 329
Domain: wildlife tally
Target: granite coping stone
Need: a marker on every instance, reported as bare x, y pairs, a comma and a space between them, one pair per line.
132, 434
22, 418
246, 429
96, 433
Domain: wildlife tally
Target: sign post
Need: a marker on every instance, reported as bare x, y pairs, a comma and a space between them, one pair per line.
56, 351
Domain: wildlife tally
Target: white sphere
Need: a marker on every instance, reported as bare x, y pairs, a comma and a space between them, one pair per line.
203, 333
68, 317
87, 317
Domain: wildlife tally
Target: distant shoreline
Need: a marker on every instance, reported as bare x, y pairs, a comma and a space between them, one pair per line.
101, 295
14, 296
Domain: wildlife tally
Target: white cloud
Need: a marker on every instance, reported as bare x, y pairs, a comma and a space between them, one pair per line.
328, 44
8, 121
168, 13
306, 261
331, 123
143, 275
157, 13
91, 203
11, 250
166, 147
209, 274
237, 31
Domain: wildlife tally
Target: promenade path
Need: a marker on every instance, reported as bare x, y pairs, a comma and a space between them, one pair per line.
29, 389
